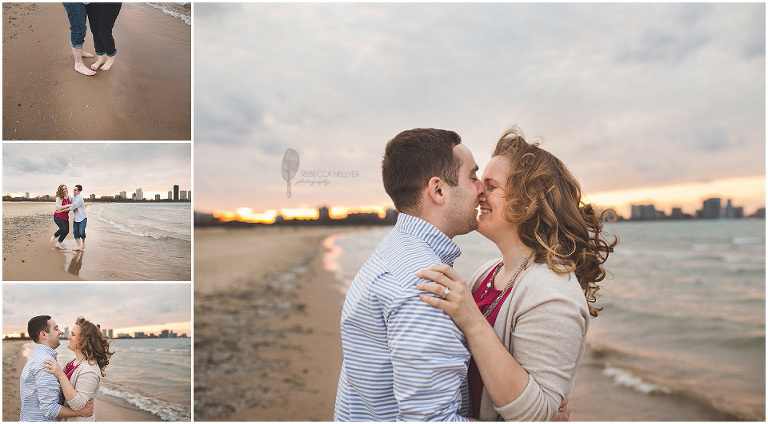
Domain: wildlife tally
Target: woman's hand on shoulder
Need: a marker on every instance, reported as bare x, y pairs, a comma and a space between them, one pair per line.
453, 295
53, 367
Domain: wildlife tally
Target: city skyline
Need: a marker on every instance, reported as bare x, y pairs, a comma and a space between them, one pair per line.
627, 105
148, 194
119, 306
101, 168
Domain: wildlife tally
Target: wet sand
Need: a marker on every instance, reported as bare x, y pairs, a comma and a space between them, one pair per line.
106, 408
267, 343
145, 96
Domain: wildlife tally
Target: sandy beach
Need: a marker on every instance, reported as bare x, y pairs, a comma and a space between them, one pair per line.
267, 343
27, 252
145, 96
106, 408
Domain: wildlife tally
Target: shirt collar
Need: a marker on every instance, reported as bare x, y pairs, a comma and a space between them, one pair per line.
445, 248
48, 350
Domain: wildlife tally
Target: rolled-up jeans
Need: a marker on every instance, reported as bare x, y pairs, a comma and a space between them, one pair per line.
78, 228
63, 228
77, 29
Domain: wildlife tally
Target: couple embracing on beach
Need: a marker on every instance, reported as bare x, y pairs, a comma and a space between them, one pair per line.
65, 204
422, 344
101, 17
50, 393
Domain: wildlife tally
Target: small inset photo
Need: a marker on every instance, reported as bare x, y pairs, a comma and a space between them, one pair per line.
97, 352
106, 211
97, 71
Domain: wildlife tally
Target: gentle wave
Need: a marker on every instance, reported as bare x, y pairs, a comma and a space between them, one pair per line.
166, 411
690, 256
626, 379
167, 9
135, 232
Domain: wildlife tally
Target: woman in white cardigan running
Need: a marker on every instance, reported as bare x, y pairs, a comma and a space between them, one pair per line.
81, 378
526, 314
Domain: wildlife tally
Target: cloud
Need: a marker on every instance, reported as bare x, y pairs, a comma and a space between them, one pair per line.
625, 94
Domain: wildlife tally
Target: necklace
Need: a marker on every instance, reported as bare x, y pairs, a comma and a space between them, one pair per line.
506, 288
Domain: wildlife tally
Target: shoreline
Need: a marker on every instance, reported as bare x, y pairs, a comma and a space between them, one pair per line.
287, 367
107, 408
28, 254
145, 96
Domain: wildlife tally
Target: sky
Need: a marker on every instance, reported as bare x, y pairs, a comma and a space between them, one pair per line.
104, 169
123, 307
634, 98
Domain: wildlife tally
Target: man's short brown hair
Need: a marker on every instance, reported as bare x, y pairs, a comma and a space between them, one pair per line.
36, 325
412, 158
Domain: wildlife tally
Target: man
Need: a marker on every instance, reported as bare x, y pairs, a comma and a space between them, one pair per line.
79, 220
40, 390
403, 359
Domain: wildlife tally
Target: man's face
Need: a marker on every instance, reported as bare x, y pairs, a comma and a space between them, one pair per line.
463, 199
76, 191
52, 335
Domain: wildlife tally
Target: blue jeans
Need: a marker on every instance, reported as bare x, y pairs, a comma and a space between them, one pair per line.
78, 229
63, 228
77, 29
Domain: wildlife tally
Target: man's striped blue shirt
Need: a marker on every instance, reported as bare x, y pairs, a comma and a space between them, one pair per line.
403, 359
39, 390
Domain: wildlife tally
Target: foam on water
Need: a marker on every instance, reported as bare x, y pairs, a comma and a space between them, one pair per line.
165, 410
177, 10
626, 379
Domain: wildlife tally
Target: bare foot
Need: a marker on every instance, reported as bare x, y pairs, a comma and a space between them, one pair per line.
108, 63
60, 246
53, 240
76, 249
99, 62
86, 54
79, 67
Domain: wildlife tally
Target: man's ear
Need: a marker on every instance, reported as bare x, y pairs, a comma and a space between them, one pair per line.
436, 190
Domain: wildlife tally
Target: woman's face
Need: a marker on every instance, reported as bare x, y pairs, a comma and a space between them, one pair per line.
491, 222
64, 190
74, 338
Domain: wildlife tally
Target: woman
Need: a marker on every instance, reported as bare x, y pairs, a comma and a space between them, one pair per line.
61, 216
102, 17
77, 29
81, 378
526, 315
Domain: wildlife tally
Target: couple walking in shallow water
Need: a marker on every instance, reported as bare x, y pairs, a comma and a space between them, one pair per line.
101, 17
65, 204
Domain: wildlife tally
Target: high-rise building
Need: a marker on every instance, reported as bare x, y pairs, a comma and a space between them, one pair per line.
26, 195
139, 194
175, 192
189, 195
711, 208
170, 195
123, 195
110, 332
157, 197
93, 196
183, 195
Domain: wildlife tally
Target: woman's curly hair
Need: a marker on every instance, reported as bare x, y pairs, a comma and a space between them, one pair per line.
60, 191
544, 200
94, 345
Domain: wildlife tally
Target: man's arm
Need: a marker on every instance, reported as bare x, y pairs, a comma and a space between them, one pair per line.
77, 204
429, 361
85, 411
47, 393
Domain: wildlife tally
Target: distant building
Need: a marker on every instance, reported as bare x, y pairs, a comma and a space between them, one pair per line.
93, 197
123, 195
189, 195
110, 332
26, 195
183, 195
139, 194
170, 195
759, 213
711, 208
157, 197
644, 212
175, 192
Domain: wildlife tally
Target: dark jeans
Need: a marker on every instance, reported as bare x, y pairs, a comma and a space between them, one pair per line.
78, 228
102, 17
63, 228
77, 28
